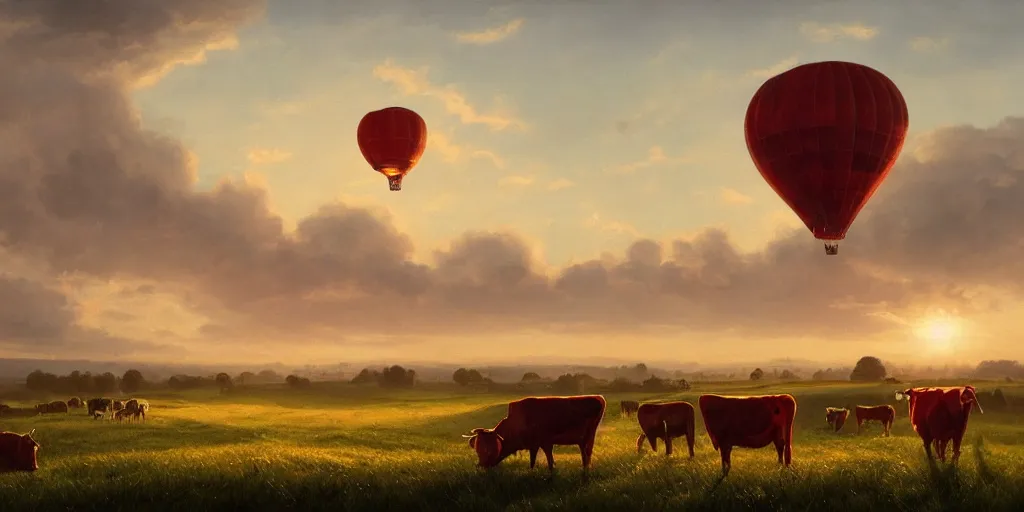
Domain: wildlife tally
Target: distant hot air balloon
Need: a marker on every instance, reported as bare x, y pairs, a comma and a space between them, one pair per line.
824, 136
392, 140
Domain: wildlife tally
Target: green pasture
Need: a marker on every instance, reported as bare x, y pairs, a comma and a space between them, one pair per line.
343, 447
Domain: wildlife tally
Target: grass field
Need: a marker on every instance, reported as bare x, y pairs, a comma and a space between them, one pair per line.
338, 447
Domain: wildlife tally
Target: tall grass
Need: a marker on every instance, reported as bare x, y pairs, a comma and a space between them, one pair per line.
347, 448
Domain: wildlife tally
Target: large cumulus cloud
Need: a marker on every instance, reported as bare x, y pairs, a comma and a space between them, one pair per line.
85, 189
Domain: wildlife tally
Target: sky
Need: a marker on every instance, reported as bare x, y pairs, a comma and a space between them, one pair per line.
180, 181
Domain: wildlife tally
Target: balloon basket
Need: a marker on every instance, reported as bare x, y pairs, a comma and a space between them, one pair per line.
395, 182
831, 248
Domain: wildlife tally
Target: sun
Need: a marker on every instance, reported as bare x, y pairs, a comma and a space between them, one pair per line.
939, 331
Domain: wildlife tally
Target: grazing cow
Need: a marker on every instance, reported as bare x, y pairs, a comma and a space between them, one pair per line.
628, 407
141, 409
665, 421
18, 452
116, 405
939, 415
836, 416
123, 414
56, 406
886, 414
75, 402
99, 406
137, 408
540, 423
749, 422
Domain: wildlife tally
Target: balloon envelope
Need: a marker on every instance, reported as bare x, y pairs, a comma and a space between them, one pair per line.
824, 136
392, 141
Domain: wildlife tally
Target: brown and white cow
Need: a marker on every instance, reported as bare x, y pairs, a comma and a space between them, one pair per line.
885, 414
18, 452
665, 421
836, 416
940, 415
749, 422
628, 407
75, 403
97, 407
540, 423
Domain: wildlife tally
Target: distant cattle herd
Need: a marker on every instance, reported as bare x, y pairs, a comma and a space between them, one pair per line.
18, 451
938, 415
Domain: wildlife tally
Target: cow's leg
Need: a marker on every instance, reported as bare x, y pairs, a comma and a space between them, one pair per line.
550, 456
780, 447
726, 451
860, 423
956, 447
586, 450
640, 442
689, 442
928, 448
668, 445
533, 456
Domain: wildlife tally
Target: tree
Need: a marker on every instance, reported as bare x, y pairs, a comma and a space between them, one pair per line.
223, 381
653, 384
999, 369
464, 377
397, 377
621, 384
788, 375
246, 377
868, 369
530, 377
106, 382
757, 374
269, 376
567, 383
366, 376
131, 381
297, 382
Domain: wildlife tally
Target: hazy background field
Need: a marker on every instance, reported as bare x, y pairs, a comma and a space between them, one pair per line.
343, 447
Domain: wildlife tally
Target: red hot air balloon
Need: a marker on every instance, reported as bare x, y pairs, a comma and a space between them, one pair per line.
824, 136
392, 140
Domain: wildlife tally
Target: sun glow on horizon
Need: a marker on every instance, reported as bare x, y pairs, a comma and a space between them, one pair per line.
939, 331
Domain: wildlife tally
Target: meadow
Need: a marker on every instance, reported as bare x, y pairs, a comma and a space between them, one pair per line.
335, 446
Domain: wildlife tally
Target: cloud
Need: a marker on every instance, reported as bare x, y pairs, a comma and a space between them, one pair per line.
595, 221
493, 34
414, 82
559, 184
655, 157
516, 181
451, 152
827, 33
732, 196
267, 156
775, 69
928, 44
85, 191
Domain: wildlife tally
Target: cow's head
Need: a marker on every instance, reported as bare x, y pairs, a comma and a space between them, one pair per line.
24, 456
836, 417
487, 444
